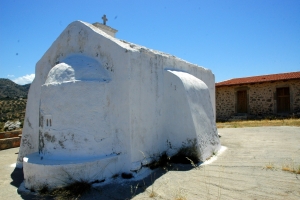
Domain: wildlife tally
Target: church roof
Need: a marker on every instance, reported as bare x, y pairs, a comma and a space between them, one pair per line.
260, 79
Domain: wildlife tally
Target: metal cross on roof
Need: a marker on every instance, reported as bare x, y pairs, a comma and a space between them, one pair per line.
104, 19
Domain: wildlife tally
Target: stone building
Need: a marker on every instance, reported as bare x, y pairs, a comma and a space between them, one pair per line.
258, 96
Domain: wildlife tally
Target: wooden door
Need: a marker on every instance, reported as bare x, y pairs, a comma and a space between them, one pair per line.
283, 99
242, 101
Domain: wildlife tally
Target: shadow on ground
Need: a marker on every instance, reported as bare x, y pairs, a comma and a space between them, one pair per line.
17, 177
125, 189
129, 189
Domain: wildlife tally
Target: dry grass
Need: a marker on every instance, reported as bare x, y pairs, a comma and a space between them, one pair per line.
187, 154
269, 166
287, 167
291, 168
257, 123
73, 191
133, 190
152, 194
12, 110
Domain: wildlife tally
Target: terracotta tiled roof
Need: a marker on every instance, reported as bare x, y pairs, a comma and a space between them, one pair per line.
260, 79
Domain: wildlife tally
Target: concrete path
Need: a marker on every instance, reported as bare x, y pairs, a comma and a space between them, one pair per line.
11, 177
251, 168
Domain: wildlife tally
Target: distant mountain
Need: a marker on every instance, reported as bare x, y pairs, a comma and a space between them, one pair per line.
11, 90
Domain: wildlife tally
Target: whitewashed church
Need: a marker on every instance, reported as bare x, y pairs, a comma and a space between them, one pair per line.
100, 106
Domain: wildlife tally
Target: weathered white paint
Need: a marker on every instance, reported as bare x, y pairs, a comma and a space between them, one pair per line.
56, 173
109, 30
199, 113
98, 101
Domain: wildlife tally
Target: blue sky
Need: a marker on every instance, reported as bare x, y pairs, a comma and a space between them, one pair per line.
233, 38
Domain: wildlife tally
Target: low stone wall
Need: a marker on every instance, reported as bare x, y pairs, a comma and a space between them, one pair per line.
261, 99
10, 139
10, 143
10, 134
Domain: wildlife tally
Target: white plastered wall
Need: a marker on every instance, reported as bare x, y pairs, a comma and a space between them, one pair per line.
136, 89
152, 119
82, 38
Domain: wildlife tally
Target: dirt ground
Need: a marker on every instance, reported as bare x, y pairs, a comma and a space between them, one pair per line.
250, 168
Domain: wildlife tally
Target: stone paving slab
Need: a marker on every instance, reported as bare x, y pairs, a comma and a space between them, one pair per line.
250, 168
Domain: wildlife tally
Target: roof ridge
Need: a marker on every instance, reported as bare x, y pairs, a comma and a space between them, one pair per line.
260, 78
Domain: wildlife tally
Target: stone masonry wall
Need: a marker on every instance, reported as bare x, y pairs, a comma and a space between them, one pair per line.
261, 98
225, 102
10, 139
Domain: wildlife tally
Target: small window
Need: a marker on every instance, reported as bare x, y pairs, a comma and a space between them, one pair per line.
283, 99
47, 120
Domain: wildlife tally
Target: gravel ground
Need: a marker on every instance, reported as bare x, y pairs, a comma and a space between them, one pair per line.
250, 168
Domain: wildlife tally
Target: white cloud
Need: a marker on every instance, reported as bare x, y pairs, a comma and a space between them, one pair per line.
24, 79
10, 76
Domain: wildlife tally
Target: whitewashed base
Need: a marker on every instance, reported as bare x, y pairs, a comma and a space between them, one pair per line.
56, 173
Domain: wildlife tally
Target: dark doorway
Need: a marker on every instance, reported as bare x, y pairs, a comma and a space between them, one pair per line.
283, 99
242, 101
